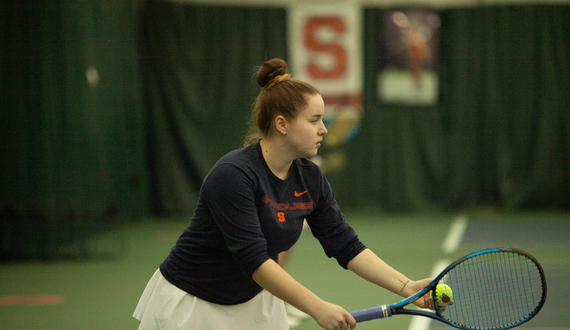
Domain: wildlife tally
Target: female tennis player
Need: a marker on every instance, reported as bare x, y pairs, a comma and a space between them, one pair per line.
223, 271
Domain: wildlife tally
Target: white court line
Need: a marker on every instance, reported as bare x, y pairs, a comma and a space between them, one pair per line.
450, 245
455, 234
439, 267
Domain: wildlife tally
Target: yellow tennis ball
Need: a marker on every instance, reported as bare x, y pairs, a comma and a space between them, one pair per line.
443, 294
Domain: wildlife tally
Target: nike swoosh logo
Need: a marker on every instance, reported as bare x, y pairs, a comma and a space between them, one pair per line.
299, 194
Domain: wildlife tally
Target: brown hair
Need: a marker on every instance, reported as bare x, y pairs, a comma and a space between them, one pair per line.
280, 95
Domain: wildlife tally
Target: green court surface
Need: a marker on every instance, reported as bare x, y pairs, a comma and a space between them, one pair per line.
102, 294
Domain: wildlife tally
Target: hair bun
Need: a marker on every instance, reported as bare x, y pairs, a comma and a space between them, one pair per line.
271, 69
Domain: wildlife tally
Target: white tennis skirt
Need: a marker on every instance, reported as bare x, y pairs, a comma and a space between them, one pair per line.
164, 306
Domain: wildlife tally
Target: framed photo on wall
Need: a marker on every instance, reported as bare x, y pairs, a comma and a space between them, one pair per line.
409, 57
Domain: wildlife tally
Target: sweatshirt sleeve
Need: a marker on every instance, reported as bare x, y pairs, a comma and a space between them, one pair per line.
230, 195
329, 226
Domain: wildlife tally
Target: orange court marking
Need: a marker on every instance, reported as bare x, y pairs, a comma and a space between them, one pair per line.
31, 300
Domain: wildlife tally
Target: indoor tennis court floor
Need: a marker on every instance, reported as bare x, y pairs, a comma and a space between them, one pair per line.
101, 294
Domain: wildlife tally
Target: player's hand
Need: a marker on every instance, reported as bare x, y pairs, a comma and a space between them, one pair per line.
426, 300
443, 307
333, 317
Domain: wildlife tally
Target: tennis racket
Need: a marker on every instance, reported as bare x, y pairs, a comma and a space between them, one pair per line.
492, 289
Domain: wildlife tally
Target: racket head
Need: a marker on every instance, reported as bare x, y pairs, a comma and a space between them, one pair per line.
498, 288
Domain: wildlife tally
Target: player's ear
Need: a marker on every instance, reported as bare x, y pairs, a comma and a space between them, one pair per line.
281, 124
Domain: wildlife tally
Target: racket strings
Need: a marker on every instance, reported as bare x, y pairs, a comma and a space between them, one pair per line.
494, 290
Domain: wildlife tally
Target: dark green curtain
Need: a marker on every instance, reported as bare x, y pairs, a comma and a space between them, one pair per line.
500, 135
199, 85
75, 150
72, 161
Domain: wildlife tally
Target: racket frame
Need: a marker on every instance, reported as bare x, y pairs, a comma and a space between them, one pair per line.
384, 311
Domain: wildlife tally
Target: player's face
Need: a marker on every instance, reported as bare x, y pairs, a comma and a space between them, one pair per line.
306, 131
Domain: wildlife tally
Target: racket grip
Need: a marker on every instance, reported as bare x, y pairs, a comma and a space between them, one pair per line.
367, 314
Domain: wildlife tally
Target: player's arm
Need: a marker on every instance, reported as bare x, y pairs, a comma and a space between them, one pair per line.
278, 282
373, 269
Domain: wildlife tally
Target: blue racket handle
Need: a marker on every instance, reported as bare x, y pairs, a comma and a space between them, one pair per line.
378, 312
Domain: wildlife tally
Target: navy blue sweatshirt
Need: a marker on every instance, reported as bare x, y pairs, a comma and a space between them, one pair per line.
245, 216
